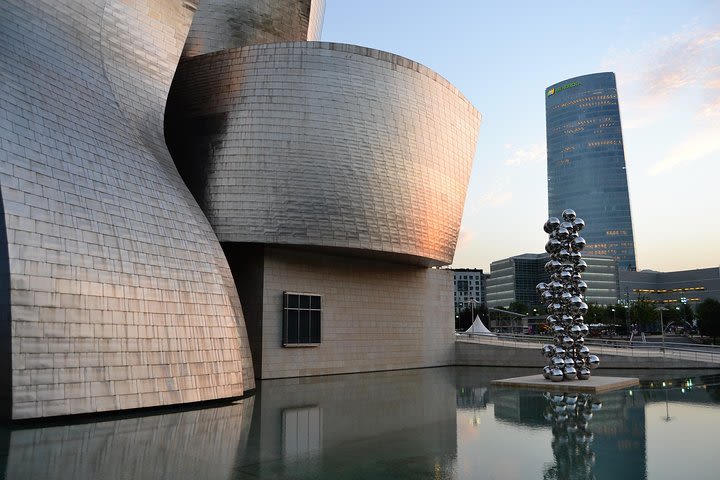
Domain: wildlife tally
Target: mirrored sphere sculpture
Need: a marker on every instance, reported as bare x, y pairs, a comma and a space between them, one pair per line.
564, 295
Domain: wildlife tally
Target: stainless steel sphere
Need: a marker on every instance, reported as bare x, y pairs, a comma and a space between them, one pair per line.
541, 287
583, 373
569, 362
547, 296
551, 224
584, 352
563, 255
593, 362
546, 372
552, 319
569, 373
575, 257
567, 341
583, 309
556, 375
559, 351
578, 224
581, 286
578, 244
581, 266
584, 329
548, 350
575, 331
553, 246
569, 215
557, 362
575, 302
565, 298
562, 233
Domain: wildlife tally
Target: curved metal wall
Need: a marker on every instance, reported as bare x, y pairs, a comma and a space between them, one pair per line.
120, 294
325, 145
224, 24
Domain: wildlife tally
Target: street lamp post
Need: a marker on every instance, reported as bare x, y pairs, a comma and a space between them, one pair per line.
662, 325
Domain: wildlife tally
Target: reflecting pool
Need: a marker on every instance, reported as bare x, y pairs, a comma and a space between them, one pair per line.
440, 423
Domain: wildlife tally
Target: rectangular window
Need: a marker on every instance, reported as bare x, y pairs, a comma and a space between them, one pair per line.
302, 315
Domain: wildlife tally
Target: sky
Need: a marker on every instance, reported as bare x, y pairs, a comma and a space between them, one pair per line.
503, 54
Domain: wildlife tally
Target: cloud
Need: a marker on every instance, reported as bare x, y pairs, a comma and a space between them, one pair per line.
466, 237
534, 153
496, 197
711, 109
694, 148
675, 70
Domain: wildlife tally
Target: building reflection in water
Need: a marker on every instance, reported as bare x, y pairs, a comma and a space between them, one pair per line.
442, 423
570, 415
350, 425
355, 425
599, 436
189, 444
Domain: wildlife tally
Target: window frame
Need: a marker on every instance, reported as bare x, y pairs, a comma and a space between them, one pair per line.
311, 310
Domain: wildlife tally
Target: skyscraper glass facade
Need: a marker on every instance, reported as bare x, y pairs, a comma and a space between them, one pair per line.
586, 163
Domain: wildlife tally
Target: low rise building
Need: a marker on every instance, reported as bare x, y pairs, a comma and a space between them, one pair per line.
514, 279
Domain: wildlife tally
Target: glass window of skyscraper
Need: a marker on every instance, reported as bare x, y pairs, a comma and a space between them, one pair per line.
586, 163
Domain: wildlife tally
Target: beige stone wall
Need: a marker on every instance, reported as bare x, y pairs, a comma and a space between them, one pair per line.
375, 315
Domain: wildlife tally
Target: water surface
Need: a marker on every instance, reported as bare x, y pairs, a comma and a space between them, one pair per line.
440, 423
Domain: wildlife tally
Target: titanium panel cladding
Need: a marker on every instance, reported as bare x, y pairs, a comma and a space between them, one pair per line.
586, 163
120, 294
223, 24
325, 145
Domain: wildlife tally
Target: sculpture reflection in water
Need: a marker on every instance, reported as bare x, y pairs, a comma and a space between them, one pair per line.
570, 415
568, 357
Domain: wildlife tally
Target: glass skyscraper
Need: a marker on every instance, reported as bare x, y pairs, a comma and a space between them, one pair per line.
586, 163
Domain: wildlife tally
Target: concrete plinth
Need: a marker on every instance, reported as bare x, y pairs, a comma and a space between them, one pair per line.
592, 385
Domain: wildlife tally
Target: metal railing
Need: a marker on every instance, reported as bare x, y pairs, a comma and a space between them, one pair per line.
603, 346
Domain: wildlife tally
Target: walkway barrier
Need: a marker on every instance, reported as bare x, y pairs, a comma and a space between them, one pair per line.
619, 347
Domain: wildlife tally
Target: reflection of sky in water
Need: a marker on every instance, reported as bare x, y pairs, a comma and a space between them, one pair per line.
439, 424
684, 446
492, 449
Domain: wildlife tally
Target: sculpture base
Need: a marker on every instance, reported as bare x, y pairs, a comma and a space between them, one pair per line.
594, 384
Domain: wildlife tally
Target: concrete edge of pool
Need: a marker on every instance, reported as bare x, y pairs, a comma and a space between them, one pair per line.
591, 385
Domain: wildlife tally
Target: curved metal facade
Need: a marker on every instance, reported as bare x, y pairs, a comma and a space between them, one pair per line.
586, 163
325, 145
120, 296
224, 24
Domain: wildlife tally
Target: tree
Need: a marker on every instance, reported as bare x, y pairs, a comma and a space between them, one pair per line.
519, 307
595, 314
463, 319
643, 313
708, 313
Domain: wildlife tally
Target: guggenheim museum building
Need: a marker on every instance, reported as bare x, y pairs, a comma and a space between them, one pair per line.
198, 194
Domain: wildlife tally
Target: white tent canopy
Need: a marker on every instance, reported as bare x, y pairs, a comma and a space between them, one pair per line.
478, 327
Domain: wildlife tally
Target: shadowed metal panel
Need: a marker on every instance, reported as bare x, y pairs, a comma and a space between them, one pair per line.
223, 24
120, 294
325, 145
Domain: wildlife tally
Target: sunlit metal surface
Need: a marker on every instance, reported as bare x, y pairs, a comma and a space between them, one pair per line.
223, 24
120, 296
325, 145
